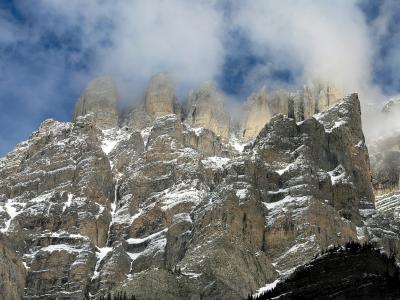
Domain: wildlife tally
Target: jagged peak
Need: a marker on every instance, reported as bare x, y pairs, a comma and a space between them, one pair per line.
100, 98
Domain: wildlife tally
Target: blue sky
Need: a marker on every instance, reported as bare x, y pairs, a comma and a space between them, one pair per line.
49, 50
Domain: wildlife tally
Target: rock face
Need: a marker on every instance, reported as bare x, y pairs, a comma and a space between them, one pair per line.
260, 107
206, 109
314, 98
56, 193
159, 100
169, 209
12, 272
257, 114
100, 98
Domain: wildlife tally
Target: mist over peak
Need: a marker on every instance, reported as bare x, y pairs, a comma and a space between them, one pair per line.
240, 46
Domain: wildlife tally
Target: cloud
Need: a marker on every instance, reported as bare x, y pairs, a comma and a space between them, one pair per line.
49, 49
133, 40
384, 28
328, 42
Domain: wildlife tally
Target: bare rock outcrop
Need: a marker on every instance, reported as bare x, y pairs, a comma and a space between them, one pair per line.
260, 107
257, 114
313, 99
100, 99
173, 212
159, 100
206, 109
12, 272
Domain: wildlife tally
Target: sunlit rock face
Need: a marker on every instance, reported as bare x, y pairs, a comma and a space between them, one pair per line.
176, 209
159, 100
257, 114
100, 99
261, 106
206, 109
312, 99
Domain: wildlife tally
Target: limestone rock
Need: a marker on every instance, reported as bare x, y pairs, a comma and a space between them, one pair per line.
261, 107
159, 100
172, 211
206, 109
100, 98
136, 117
12, 272
257, 114
160, 96
313, 99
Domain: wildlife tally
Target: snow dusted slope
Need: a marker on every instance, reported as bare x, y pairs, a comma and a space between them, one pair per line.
172, 212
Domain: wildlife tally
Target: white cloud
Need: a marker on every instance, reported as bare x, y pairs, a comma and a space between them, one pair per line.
136, 39
133, 39
329, 41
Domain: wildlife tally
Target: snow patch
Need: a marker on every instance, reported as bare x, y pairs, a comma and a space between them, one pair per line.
145, 133
279, 204
108, 145
266, 288
284, 170
12, 211
60, 247
241, 194
142, 240
173, 197
215, 162
69, 202
337, 175
192, 274
111, 139
198, 130
101, 254
235, 143
360, 233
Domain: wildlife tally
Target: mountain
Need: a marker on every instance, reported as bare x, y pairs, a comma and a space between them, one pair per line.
352, 271
177, 202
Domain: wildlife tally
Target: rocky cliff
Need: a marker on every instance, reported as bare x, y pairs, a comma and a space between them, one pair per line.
159, 100
12, 272
175, 209
206, 109
260, 107
100, 99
